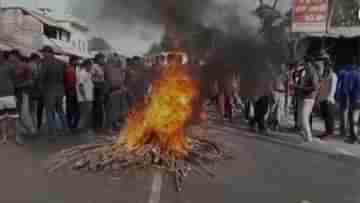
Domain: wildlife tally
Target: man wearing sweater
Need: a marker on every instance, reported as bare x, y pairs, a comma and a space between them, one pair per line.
116, 97
72, 106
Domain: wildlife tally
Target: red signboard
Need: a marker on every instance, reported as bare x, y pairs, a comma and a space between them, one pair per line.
310, 15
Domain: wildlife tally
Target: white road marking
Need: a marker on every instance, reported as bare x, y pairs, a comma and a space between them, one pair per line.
156, 188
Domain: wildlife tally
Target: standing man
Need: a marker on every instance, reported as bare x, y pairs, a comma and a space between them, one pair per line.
307, 89
142, 78
327, 99
85, 95
296, 75
115, 105
343, 97
23, 87
36, 101
278, 93
261, 109
229, 96
98, 77
130, 76
8, 109
72, 107
52, 87
354, 110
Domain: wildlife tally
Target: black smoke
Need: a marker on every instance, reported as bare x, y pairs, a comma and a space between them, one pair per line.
236, 45
145, 12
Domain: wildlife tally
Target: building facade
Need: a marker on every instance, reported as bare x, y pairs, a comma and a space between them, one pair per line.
79, 34
30, 30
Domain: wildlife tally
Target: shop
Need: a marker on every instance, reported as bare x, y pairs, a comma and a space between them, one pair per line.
333, 25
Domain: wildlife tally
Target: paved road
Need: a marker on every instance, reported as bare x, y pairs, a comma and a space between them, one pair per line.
261, 172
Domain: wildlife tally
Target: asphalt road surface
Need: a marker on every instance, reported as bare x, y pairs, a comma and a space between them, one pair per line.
261, 172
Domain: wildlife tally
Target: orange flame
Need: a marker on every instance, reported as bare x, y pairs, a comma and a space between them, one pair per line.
162, 118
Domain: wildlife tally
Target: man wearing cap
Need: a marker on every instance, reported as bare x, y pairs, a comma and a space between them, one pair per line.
52, 87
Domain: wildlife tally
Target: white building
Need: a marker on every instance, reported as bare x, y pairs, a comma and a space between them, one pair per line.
30, 30
79, 33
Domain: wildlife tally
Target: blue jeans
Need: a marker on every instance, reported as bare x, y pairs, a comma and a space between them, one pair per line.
55, 115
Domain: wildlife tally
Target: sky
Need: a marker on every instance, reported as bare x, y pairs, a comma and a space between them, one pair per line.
129, 41
58, 6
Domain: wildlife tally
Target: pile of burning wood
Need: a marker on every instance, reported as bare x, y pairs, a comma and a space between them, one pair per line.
155, 135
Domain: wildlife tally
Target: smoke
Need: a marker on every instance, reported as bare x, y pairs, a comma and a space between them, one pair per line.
239, 48
145, 19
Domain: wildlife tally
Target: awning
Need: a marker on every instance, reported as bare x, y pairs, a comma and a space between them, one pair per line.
24, 50
347, 32
337, 33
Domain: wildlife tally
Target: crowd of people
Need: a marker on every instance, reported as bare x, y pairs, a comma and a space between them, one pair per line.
306, 88
79, 96
93, 96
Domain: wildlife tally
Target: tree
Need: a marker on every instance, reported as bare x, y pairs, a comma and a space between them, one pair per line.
99, 44
274, 29
345, 13
155, 48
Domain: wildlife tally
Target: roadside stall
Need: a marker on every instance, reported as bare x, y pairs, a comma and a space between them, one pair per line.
331, 25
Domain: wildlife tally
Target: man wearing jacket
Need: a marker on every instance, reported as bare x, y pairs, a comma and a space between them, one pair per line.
354, 101
342, 96
307, 89
36, 101
52, 87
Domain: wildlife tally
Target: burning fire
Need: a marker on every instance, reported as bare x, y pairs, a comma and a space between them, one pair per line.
154, 136
162, 118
